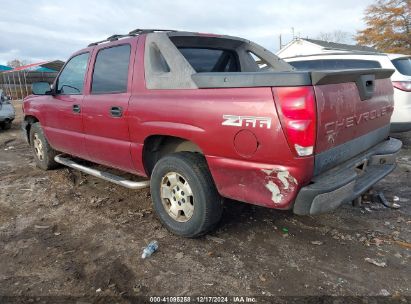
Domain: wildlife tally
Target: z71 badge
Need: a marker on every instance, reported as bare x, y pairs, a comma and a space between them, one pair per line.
246, 121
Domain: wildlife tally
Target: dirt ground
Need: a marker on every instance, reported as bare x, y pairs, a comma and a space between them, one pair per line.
64, 233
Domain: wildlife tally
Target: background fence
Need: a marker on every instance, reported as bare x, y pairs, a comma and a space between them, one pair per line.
17, 84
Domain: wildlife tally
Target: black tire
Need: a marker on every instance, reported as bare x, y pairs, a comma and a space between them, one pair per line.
5, 125
206, 200
46, 162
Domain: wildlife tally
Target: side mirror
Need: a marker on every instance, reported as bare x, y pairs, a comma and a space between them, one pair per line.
41, 88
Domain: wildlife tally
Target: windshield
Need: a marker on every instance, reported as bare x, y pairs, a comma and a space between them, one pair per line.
403, 65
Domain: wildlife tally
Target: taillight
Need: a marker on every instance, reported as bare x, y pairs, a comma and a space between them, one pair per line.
297, 111
402, 85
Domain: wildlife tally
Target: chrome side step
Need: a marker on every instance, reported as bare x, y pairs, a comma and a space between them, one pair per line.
101, 174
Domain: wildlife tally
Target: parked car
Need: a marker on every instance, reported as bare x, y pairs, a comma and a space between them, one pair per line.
7, 113
208, 116
401, 79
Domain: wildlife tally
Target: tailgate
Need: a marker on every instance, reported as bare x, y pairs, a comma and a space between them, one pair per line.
354, 108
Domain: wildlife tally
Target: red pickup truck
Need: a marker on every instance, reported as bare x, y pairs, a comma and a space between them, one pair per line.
208, 116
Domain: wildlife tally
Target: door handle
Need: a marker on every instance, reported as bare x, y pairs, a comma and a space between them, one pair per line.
116, 111
76, 108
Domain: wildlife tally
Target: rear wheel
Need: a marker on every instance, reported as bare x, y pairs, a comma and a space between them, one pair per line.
184, 195
43, 153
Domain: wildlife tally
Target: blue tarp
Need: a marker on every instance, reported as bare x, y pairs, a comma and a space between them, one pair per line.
5, 68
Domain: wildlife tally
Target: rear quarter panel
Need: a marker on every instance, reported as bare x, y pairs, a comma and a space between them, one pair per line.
197, 115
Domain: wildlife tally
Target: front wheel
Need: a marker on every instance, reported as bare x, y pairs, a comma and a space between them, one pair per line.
184, 195
43, 153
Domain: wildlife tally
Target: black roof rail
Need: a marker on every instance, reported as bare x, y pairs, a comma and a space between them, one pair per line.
132, 33
111, 38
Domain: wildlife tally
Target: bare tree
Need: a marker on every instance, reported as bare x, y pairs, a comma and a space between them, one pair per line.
15, 63
337, 36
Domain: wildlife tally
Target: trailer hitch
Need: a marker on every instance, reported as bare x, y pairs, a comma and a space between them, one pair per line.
377, 197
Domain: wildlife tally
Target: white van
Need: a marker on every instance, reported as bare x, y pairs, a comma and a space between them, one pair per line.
401, 79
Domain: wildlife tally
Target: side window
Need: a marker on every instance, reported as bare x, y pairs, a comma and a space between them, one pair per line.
110, 73
71, 79
403, 65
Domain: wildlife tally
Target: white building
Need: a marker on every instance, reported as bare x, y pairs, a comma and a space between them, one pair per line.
301, 46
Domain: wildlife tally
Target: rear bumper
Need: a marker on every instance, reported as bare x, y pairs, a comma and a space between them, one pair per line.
347, 181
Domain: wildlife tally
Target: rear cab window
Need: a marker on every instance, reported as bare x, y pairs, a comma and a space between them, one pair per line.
335, 64
218, 54
211, 60
403, 65
111, 67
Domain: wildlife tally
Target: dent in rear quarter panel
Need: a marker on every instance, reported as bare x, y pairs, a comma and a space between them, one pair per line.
268, 185
343, 116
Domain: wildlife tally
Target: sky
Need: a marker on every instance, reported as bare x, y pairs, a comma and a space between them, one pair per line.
46, 30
